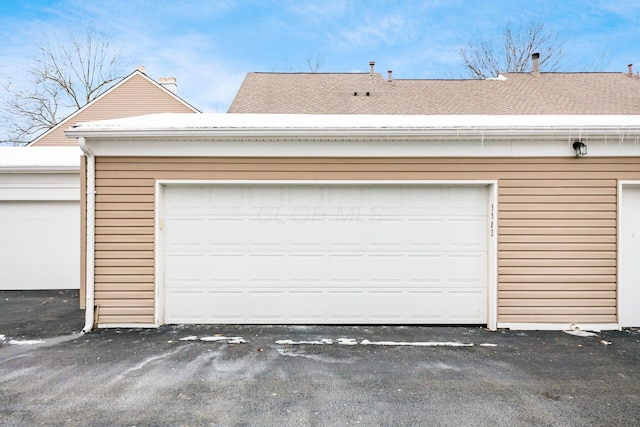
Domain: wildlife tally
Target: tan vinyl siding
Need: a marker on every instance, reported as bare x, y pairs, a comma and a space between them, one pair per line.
556, 229
557, 248
134, 97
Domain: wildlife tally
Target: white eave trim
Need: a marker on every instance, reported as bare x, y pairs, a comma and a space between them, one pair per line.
40, 159
357, 135
275, 125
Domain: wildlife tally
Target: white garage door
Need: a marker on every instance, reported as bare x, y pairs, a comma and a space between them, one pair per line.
333, 254
39, 245
629, 247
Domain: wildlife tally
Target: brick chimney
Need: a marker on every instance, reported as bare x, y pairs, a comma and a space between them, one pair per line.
169, 83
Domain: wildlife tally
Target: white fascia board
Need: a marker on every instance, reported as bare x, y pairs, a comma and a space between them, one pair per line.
203, 124
39, 159
267, 135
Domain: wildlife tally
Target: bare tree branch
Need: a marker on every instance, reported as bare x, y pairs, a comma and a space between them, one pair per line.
66, 75
482, 58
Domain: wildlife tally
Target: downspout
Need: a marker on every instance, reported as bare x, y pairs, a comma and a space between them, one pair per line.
90, 236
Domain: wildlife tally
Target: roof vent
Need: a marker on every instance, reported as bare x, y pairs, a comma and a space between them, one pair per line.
372, 64
169, 83
390, 72
630, 70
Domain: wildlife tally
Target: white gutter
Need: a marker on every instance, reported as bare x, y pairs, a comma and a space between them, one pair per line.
90, 236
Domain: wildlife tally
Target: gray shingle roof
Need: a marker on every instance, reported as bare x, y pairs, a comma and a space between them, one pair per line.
514, 93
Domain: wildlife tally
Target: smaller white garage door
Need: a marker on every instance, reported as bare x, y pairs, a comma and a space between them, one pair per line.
39, 245
334, 254
629, 247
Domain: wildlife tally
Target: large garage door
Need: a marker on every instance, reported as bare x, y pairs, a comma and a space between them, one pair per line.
340, 253
39, 245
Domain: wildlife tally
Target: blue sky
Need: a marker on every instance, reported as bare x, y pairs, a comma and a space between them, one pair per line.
209, 45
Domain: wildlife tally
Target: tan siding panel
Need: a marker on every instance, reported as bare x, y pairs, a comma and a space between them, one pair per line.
558, 310
101, 296
558, 318
104, 271
128, 302
124, 262
558, 215
541, 295
557, 229
125, 214
106, 319
557, 286
123, 238
557, 302
577, 262
125, 311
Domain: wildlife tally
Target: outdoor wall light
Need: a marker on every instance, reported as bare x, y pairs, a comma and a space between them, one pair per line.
580, 147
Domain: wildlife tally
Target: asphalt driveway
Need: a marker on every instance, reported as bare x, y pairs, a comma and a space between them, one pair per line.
315, 375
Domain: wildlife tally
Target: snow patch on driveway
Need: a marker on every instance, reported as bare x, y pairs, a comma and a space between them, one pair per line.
26, 342
216, 338
417, 344
353, 341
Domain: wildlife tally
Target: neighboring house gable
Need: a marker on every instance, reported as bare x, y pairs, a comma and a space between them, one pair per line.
370, 93
135, 95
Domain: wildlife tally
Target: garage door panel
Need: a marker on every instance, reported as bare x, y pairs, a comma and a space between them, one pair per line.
428, 233
326, 254
307, 306
346, 269
463, 269
387, 269
390, 233
226, 268
224, 232
186, 233
224, 307
467, 233
387, 305
265, 268
185, 268
345, 233
268, 234
186, 306
267, 306
347, 306
426, 269
307, 269
467, 306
